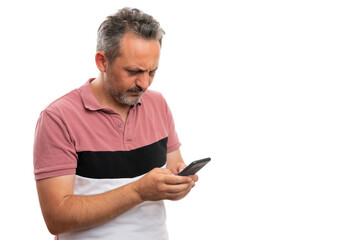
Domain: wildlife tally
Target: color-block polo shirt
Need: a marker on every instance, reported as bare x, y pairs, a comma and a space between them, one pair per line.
76, 135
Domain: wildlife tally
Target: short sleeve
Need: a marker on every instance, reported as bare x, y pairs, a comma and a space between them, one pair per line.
54, 151
173, 140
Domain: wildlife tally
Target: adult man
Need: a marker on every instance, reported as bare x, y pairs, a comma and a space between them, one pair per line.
107, 154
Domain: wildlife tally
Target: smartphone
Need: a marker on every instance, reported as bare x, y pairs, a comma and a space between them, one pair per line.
194, 167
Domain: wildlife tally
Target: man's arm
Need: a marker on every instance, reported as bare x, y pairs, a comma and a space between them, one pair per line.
175, 162
63, 211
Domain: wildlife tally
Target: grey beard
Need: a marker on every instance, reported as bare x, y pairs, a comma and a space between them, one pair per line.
121, 97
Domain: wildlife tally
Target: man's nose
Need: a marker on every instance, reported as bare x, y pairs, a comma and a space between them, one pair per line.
143, 80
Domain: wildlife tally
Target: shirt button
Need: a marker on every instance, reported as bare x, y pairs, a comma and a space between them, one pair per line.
120, 125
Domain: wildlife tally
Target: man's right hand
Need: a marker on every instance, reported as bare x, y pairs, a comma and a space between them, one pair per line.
161, 184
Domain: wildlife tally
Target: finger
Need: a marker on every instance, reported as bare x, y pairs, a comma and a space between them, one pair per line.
179, 195
174, 171
173, 179
181, 167
178, 188
195, 177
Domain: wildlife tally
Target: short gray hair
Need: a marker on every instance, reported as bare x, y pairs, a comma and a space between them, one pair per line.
113, 29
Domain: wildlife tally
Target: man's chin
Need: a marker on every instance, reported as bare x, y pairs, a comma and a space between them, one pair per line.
131, 99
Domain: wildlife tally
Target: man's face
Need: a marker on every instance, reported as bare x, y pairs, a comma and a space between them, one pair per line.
132, 72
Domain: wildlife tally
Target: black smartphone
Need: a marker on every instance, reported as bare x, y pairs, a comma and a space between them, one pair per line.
194, 167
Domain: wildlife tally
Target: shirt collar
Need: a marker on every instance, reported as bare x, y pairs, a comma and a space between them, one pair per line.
89, 99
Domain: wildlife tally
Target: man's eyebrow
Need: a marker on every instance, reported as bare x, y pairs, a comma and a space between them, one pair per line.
130, 68
137, 69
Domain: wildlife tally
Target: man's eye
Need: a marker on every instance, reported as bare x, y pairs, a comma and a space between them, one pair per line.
151, 73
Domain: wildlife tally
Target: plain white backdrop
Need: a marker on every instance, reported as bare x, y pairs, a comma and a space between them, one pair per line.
269, 89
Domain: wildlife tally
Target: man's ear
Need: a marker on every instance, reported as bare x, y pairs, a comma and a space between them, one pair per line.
101, 61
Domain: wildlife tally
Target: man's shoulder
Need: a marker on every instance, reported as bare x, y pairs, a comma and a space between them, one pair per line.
68, 102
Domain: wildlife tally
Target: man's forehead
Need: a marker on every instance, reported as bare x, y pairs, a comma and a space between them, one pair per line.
132, 42
138, 53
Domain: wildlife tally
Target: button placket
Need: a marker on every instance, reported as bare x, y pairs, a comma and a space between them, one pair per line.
128, 132
119, 125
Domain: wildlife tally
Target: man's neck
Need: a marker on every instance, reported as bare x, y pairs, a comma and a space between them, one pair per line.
106, 100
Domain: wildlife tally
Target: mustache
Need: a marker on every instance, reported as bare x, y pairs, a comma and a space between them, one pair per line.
135, 89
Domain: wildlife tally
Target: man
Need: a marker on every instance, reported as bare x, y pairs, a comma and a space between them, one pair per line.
107, 154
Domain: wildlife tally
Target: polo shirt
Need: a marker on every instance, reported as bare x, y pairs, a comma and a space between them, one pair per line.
76, 135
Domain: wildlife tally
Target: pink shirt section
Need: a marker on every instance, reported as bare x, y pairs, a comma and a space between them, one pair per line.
77, 122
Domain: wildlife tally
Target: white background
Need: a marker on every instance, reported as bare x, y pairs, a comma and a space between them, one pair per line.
269, 89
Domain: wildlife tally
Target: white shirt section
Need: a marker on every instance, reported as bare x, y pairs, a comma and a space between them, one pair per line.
144, 221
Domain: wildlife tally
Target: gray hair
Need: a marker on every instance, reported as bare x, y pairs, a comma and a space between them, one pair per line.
113, 29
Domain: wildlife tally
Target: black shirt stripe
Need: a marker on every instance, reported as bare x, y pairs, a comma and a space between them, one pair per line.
122, 164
